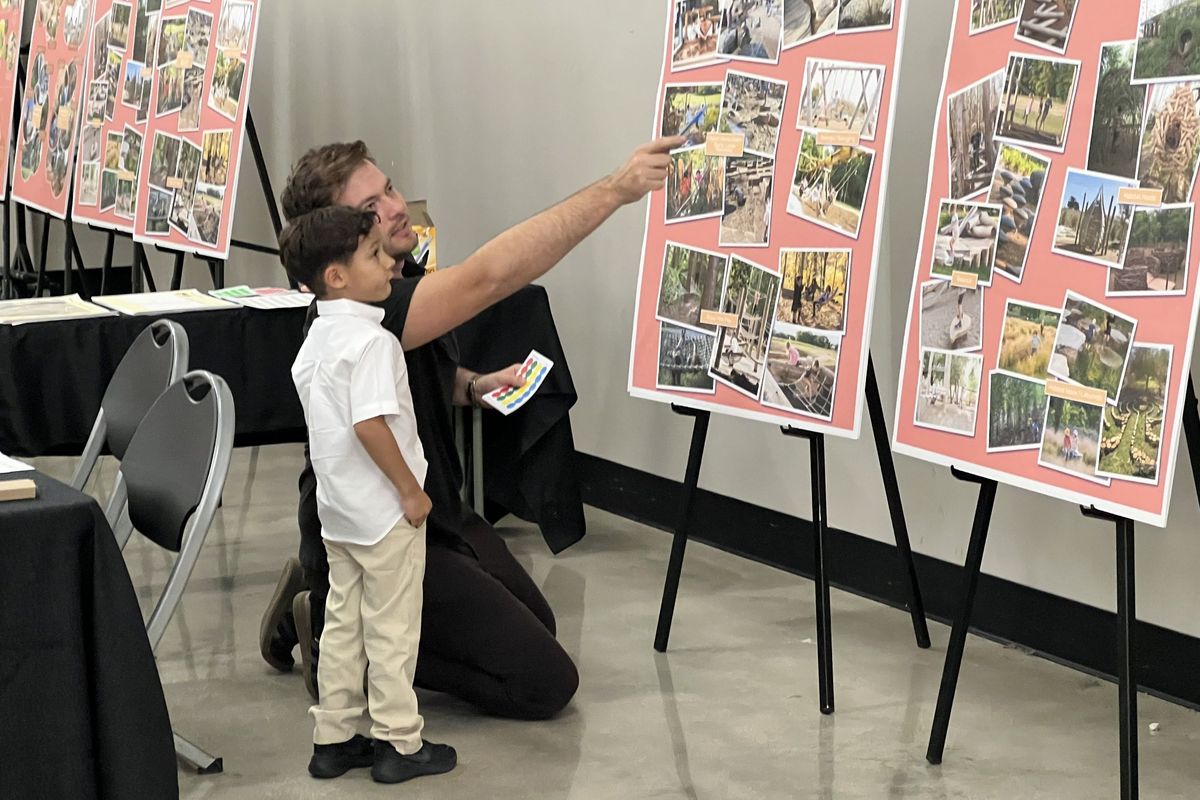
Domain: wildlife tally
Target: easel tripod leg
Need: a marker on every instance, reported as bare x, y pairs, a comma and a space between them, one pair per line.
1191, 429
1126, 664
820, 578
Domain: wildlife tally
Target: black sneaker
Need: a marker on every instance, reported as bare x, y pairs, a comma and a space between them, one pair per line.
332, 760
275, 638
431, 759
302, 613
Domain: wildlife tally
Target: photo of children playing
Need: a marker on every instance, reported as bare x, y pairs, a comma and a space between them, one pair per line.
1016, 413
841, 96
951, 317
1171, 141
691, 285
1027, 341
751, 29
748, 193
1166, 46
750, 294
830, 184
815, 284
753, 106
804, 20
1092, 345
1117, 114
692, 111
971, 115
1129, 444
802, 371
1017, 190
1092, 224
967, 236
949, 391
694, 36
1156, 260
683, 359
695, 184
1047, 22
1071, 437
1038, 94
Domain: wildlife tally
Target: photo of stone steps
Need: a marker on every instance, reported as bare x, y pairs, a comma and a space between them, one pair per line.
1047, 23
1017, 189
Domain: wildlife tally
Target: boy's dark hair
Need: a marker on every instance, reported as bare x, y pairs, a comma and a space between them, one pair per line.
319, 176
313, 241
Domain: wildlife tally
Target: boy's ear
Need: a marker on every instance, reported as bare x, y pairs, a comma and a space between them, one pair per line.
335, 276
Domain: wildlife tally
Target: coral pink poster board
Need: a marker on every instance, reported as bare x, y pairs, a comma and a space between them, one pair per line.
757, 278
11, 23
1050, 327
199, 97
46, 139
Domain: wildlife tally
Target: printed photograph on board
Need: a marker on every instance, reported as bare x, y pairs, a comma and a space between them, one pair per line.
1171, 140
1117, 112
966, 241
691, 285
1091, 346
1027, 339
830, 185
749, 192
1093, 225
1039, 93
841, 96
971, 127
1156, 260
1016, 413
1017, 186
1131, 440
741, 349
684, 356
816, 286
948, 394
1166, 45
951, 316
1071, 438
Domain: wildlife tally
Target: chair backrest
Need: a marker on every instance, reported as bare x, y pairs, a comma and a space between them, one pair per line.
157, 358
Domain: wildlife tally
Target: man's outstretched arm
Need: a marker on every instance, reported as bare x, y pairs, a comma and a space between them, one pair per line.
522, 254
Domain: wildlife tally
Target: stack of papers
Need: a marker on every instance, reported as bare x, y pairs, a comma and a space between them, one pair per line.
49, 309
266, 298
162, 302
8, 465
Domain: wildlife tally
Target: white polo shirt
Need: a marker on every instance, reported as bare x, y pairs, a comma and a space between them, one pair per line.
350, 369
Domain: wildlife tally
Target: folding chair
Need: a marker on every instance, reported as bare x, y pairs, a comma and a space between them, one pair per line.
174, 471
157, 358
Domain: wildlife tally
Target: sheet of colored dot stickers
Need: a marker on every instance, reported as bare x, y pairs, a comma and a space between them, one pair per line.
1050, 330
11, 24
758, 267
198, 95
54, 80
116, 107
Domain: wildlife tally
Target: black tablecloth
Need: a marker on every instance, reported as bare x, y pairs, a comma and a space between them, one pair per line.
82, 713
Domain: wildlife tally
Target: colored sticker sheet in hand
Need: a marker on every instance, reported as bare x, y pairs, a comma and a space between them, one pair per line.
12, 21
116, 105
1050, 328
757, 277
54, 87
199, 90
532, 374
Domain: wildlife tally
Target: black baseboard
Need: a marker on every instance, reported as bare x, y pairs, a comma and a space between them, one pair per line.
1062, 630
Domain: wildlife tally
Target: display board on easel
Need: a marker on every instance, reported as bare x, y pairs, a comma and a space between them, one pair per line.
12, 22
1051, 322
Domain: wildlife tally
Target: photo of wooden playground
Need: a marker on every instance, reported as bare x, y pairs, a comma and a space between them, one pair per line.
1167, 46
966, 241
751, 30
805, 20
694, 33
1117, 114
830, 185
1092, 224
865, 15
1027, 340
753, 106
690, 285
1092, 344
1038, 95
988, 14
971, 120
749, 184
1047, 23
802, 372
691, 110
683, 359
1132, 435
1156, 261
1071, 437
815, 288
695, 183
951, 318
841, 96
1171, 141
1016, 413
741, 350
1017, 189
948, 394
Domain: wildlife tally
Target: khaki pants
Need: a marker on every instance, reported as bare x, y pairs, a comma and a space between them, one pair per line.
372, 626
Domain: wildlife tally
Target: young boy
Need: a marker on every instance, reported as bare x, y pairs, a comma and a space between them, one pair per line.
353, 384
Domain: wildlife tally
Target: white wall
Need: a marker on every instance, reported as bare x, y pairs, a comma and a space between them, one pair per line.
495, 110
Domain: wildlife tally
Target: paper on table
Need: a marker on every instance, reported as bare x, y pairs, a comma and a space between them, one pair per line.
49, 309
8, 465
266, 298
162, 302
532, 373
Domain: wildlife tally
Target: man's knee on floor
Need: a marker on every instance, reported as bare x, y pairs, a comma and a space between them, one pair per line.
543, 693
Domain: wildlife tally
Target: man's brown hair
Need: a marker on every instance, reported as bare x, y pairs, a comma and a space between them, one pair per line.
319, 176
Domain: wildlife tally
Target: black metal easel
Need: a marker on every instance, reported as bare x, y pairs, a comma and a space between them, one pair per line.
1126, 620
820, 522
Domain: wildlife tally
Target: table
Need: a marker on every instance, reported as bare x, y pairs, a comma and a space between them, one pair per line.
83, 710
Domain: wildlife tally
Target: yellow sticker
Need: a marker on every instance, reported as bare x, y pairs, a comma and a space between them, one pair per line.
718, 319
1140, 197
964, 280
839, 139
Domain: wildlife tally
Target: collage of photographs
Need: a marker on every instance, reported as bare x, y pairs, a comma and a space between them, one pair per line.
12, 18
1073, 384
771, 332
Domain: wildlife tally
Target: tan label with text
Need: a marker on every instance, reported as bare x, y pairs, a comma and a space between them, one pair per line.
724, 144
718, 319
174, 183
185, 59
964, 280
1077, 394
839, 138
126, 175
64, 118
1140, 197
37, 116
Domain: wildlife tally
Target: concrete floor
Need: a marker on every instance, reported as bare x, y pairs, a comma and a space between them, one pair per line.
729, 711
